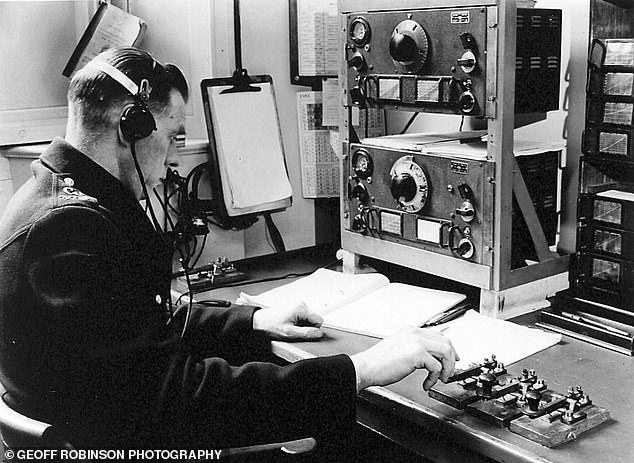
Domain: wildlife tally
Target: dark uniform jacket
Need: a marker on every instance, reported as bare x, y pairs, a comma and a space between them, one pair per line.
87, 342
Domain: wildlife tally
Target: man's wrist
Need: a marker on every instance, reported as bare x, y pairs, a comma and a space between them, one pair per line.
359, 365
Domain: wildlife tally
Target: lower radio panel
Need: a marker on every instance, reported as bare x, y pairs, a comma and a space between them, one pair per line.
437, 203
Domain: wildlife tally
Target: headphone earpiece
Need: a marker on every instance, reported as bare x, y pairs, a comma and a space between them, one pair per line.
136, 122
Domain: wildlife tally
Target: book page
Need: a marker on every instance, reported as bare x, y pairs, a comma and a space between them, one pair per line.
390, 308
323, 291
475, 337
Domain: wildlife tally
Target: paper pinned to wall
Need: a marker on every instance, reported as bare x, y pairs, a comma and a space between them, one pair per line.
250, 150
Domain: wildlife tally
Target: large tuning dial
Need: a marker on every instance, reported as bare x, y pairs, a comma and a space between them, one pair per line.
409, 184
408, 46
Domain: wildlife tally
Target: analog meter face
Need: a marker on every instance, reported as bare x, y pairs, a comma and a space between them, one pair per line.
362, 164
409, 184
360, 31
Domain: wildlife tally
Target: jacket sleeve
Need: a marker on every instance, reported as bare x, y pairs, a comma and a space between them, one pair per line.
212, 402
225, 332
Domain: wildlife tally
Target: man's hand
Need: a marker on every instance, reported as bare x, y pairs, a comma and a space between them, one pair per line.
403, 352
293, 322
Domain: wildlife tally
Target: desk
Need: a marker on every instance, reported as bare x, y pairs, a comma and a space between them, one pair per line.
404, 413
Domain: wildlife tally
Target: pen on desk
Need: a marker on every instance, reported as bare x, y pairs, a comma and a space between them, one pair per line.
448, 315
595, 323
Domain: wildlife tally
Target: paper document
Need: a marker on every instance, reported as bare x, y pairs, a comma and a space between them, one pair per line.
250, 151
475, 337
360, 303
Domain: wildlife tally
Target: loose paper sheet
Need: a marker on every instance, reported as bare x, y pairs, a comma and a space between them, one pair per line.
249, 145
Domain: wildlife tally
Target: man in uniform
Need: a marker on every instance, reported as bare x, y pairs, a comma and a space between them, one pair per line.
87, 341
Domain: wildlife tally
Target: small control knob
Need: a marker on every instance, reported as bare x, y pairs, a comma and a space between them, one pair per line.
465, 248
359, 224
466, 102
532, 399
360, 192
357, 61
487, 380
403, 187
466, 211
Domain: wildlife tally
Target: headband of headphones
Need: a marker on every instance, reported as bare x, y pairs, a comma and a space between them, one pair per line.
142, 93
136, 121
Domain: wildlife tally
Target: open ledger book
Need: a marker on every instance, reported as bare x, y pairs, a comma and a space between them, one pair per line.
360, 303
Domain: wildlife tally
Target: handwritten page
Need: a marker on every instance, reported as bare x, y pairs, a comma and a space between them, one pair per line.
476, 337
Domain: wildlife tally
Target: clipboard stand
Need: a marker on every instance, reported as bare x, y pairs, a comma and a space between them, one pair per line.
242, 82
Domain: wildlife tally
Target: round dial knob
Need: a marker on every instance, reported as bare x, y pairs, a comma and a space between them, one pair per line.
403, 187
409, 184
409, 46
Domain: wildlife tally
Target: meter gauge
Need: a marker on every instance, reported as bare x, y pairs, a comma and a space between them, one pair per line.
362, 164
360, 31
409, 184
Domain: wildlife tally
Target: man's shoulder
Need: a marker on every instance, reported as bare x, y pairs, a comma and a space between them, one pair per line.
64, 192
41, 197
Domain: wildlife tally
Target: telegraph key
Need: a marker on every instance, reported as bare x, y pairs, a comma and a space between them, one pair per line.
525, 405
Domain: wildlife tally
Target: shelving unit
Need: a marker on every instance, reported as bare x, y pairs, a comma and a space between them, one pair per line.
598, 306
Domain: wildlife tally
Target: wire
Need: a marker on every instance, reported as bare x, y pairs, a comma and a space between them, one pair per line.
461, 124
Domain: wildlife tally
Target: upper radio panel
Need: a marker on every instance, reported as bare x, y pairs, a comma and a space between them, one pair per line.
436, 60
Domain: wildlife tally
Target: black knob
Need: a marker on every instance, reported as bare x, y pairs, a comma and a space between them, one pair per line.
466, 102
403, 48
464, 248
487, 380
403, 187
360, 192
357, 61
358, 224
532, 398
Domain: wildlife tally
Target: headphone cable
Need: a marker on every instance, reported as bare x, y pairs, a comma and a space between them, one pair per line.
183, 260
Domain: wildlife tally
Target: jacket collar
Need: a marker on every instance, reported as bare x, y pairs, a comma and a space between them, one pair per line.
89, 177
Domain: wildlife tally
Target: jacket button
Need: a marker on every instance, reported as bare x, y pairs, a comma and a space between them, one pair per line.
158, 299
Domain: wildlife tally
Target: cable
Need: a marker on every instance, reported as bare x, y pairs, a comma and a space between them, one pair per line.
276, 237
461, 124
182, 260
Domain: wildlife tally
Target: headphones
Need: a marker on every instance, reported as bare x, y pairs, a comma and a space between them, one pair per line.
136, 121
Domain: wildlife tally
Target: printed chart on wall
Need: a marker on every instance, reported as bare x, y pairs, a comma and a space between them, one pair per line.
318, 118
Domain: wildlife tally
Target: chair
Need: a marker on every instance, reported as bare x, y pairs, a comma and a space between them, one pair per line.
21, 431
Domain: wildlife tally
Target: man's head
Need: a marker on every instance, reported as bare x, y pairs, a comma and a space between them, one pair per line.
97, 102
